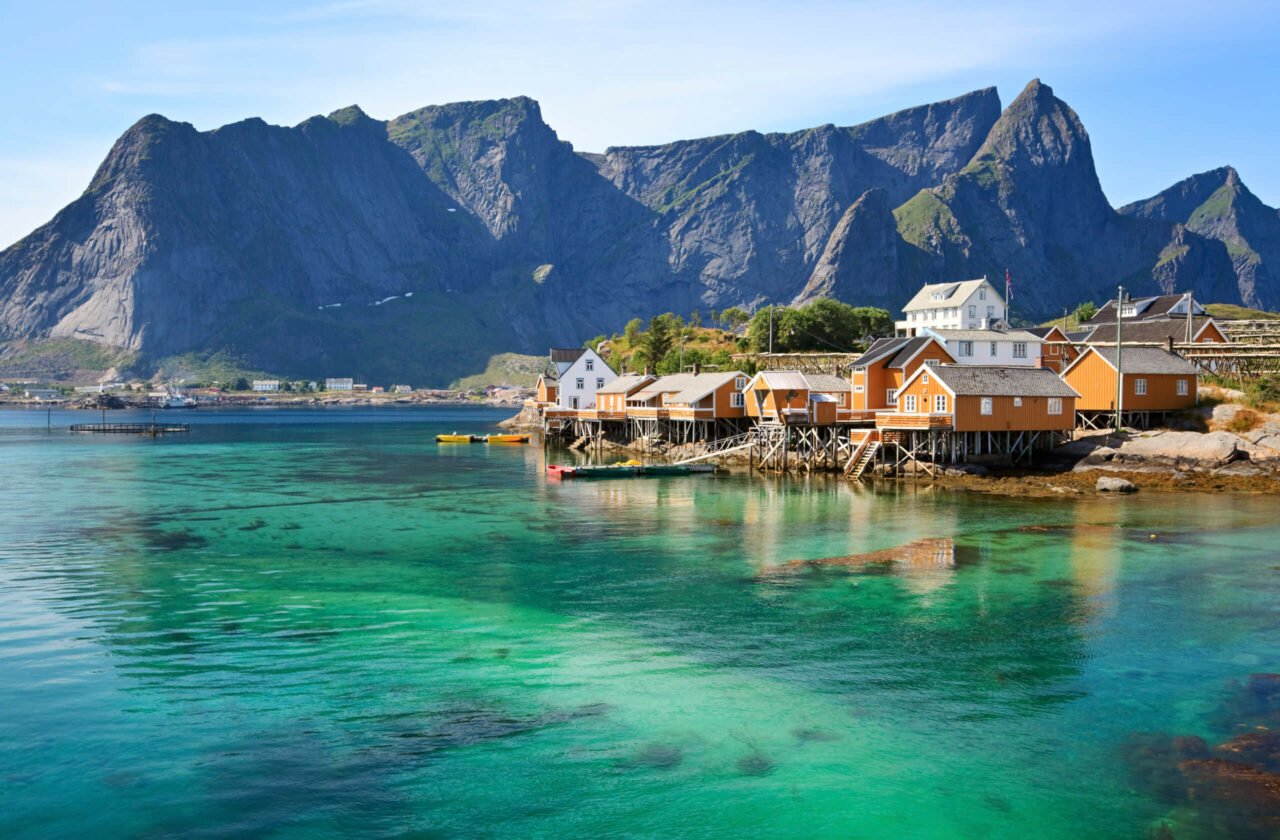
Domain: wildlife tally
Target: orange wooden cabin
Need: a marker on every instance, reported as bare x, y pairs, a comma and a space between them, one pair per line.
878, 374
1154, 380
983, 398
611, 400
547, 388
1057, 353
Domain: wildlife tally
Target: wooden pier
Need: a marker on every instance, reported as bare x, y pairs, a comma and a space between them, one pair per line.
149, 429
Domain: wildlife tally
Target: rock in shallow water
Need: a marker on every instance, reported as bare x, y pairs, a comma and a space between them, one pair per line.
1111, 484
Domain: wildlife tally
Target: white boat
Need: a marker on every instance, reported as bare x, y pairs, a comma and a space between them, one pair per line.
174, 399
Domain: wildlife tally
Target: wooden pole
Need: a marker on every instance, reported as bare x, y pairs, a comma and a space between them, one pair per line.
1119, 365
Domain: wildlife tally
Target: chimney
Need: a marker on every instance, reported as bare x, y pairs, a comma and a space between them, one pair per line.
697, 368
648, 370
1168, 343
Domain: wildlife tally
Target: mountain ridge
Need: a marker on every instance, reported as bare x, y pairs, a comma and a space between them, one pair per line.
418, 246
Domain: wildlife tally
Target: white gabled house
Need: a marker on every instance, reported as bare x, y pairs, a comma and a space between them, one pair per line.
967, 305
991, 347
580, 374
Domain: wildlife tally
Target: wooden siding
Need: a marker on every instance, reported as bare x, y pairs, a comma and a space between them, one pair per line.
1096, 382
1211, 333
879, 377
966, 411
799, 401
546, 393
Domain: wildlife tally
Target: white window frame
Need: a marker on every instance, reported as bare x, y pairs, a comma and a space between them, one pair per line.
1140, 387
939, 403
599, 381
924, 378
1017, 402
857, 389
580, 380
591, 364
973, 311
909, 404
985, 406
991, 312
994, 349
891, 396
740, 383
1128, 311
1055, 405
964, 348
737, 400
1019, 349
1182, 388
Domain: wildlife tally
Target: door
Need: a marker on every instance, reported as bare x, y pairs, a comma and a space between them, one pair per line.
575, 403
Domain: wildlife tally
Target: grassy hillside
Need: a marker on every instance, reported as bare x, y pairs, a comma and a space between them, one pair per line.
505, 369
70, 360
1231, 312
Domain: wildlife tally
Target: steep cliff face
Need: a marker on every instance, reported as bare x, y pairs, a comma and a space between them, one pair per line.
1217, 205
417, 247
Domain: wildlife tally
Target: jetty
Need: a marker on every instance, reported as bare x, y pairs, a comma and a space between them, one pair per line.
151, 429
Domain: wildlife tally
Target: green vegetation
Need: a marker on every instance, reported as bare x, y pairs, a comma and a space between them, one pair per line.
680, 193
505, 369
923, 214
822, 326
541, 272
1171, 253
1215, 207
62, 359
1231, 312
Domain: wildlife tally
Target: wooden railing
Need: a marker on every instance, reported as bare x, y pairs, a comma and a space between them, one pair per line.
894, 420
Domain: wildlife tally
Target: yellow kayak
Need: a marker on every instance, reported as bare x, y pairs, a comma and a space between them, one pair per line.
457, 438
507, 439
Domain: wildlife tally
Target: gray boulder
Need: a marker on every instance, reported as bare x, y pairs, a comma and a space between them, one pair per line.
1111, 484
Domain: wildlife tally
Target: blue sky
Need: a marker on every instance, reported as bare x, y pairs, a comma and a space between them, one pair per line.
1165, 89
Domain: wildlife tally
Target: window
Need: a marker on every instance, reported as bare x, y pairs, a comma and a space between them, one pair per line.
991, 311
986, 405
982, 294
1019, 349
925, 379
579, 383
973, 311
1017, 402
855, 370
964, 348
600, 382
591, 364
857, 389
737, 400
1128, 311
891, 396
993, 348
1055, 405
740, 383
940, 403
909, 403
1139, 387
1182, 387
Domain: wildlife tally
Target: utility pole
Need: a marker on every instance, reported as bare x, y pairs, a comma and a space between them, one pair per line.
1119, 366
682, 351
771, 329
1191, 305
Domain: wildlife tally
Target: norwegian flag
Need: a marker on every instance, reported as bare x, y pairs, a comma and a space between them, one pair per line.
1008, 288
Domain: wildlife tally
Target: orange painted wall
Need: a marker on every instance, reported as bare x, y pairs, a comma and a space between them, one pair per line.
546, 393
1096, 382
879, 377
967, 416
772, 401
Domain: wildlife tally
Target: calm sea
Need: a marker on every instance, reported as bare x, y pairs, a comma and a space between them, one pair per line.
306, 623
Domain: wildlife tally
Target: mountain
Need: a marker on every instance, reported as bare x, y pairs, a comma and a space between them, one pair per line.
1029, 202
1217, 205
414, 249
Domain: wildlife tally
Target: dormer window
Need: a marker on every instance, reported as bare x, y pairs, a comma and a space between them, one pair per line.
1128, 311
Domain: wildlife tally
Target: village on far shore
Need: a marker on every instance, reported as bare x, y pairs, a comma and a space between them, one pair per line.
955, 391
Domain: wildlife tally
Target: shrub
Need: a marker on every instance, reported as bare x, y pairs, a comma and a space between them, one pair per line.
1244, 421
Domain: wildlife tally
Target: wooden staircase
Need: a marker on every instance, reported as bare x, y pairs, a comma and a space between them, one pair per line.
863, 456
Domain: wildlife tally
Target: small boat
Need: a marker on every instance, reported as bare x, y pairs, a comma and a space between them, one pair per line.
506, 439
457, 438
626, 469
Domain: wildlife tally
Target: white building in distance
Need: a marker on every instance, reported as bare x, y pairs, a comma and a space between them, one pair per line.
339, 384
581, 374
266, 385
969, 305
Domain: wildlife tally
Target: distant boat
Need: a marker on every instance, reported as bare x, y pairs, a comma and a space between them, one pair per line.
626, 470
506, 439
456, 438
177, 400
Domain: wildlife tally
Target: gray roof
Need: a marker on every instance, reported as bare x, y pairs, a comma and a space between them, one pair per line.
1077, 336
565, 355
1040, 332
623, 383
827, 383
1147, 307
784, 380
902, 350
550, 376
1148, 360
953, 294
1001, 381
702, 384
1151, 331
984, 335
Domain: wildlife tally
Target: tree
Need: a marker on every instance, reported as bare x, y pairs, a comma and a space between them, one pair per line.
734, 317
1085, 311
695, 319
241, 384
715, 318
656, 342
594, 343
634, 326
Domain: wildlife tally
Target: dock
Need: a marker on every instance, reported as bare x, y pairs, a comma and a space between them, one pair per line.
151, 429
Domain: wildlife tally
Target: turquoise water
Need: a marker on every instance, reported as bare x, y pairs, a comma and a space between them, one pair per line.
320, 624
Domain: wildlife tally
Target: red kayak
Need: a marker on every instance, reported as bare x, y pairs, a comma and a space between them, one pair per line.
560, 471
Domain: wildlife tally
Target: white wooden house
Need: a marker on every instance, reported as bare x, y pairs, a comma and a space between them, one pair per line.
967, 305
580, 374
991, 347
